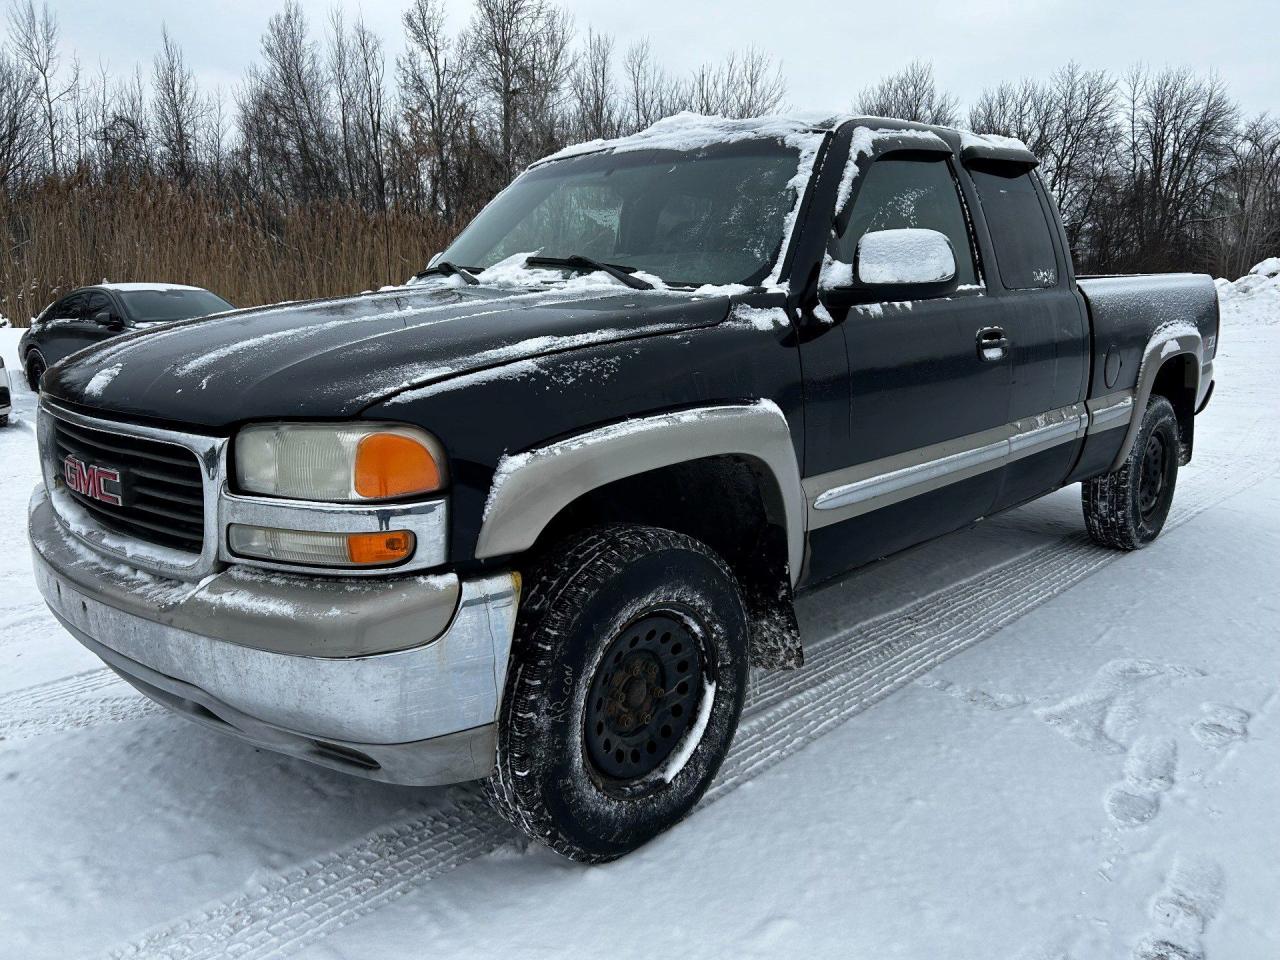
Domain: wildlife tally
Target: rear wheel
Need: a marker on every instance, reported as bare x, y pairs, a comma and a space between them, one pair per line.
1127, 509
35, 367
627, 678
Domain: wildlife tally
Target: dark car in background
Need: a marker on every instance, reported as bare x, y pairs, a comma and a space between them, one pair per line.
90, 315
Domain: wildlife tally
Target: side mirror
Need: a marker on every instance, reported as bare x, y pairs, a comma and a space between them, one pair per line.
899, 258
905, 264
105, 318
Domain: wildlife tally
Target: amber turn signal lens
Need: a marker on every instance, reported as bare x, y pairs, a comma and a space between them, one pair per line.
369, 549
393, 465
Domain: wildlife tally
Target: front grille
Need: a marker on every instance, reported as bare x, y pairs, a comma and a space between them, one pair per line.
161, 485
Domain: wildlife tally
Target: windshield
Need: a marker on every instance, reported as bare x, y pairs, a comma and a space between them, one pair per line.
708, 216
161, 306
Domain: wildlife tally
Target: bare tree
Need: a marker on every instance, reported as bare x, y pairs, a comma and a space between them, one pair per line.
178, 112
910, 94
35, 43
1179, 135
371, 123
745, 84
125, 134
595, 105
649, 92
434, 81
1244, 225
1069, 123
285, 116
19, 134
520, 50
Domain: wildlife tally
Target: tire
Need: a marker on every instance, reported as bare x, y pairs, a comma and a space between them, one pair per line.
1127, 509
35, 368
627, 678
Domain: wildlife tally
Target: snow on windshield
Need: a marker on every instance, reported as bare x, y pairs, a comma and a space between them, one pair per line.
693, 201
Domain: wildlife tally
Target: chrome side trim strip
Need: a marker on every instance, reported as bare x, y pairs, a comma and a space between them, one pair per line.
843, 494
1113, 410
879, 487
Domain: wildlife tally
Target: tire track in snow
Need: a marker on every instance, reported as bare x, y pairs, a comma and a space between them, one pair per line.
71, 703
845, 674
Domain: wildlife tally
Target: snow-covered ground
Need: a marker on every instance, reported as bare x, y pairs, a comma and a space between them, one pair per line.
1005, 744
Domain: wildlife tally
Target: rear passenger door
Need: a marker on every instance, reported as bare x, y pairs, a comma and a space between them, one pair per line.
926, 401
1045, 323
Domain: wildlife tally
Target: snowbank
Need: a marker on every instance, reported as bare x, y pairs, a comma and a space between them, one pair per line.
1254, 298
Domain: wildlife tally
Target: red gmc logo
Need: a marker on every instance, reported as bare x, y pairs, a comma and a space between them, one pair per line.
91, 480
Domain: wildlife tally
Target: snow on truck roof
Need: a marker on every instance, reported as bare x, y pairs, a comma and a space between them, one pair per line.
692, 131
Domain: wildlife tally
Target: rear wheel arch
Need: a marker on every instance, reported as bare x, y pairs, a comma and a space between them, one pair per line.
1170, 368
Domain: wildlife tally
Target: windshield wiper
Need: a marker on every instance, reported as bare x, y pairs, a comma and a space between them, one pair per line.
577, 262
447, 269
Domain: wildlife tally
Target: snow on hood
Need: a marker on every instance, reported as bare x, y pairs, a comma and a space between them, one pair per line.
333, 358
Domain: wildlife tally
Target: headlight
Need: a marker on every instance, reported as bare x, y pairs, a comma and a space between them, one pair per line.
338, 463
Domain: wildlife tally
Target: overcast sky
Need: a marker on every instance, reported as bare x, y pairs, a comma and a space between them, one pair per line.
829, 50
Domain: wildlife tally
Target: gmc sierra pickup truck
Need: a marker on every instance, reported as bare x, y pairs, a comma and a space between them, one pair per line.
530, 518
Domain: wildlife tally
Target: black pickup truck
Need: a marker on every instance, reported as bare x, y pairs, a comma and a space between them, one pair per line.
531, 517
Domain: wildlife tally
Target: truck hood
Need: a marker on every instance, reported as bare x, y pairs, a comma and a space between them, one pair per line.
330, 359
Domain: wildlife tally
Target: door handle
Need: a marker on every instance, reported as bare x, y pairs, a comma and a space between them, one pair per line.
993, 345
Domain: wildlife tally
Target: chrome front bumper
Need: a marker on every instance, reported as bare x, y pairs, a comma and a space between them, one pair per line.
249, 652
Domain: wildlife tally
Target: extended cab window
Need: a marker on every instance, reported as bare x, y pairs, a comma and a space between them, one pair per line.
898, 193
1020, 232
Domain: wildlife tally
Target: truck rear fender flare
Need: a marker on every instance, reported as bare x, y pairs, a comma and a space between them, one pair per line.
1166, 345
529, 489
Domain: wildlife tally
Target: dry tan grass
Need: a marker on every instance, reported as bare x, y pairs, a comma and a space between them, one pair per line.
69, 234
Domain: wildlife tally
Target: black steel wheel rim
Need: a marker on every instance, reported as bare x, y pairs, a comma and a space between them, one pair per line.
1155, 466
644, 697
35, 370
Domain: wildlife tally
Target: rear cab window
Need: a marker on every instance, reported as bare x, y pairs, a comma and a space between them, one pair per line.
1019, 227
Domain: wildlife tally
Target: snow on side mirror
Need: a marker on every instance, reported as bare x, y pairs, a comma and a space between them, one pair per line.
905, 258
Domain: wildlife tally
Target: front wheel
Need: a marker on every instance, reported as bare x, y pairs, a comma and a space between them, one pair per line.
1127, 509
628, 674
35, 368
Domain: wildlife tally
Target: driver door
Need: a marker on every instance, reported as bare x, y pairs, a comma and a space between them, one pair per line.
62, 329
926, 399
88, 330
